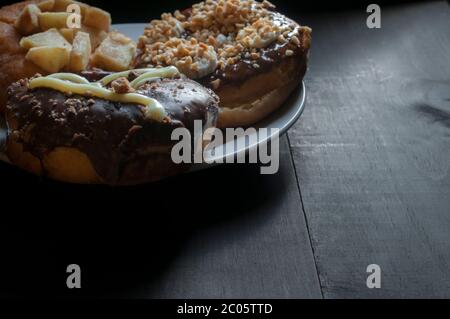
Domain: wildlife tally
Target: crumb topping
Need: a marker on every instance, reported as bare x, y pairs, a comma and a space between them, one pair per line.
121, 86
191, 57
215, 34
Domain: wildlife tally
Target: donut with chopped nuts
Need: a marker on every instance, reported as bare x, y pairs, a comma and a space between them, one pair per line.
252, 56
85, 139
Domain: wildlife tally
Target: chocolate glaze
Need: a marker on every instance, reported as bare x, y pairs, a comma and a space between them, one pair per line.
115, 136
95, 74
270, 57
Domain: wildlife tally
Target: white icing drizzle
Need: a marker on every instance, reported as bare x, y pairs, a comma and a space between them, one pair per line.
169, 71
75, 84
166, 72
69, 77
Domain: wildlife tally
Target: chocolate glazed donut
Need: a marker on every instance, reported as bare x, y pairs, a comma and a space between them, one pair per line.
252, 56
79, 139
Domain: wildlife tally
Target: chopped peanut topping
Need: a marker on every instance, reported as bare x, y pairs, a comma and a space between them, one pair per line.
121, 86
214, 34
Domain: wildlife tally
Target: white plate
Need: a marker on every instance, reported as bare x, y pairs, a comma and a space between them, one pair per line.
282, 119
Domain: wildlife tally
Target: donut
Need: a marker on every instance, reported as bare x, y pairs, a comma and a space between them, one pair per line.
251, 56
86, 138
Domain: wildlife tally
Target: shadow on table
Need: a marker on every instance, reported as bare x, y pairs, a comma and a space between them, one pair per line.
123, 238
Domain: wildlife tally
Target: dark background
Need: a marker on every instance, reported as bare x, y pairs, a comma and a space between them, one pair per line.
126, 239
143, 11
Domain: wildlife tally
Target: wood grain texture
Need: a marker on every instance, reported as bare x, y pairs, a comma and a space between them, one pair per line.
372, 151
227, 232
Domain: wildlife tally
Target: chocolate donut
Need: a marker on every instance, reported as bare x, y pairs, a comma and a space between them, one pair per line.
252, 56
85, 139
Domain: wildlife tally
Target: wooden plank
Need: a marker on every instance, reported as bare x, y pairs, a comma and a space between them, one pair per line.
264, 253
372, 151
228, 232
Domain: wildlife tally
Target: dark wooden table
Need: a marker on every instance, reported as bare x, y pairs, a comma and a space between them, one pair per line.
364, 179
